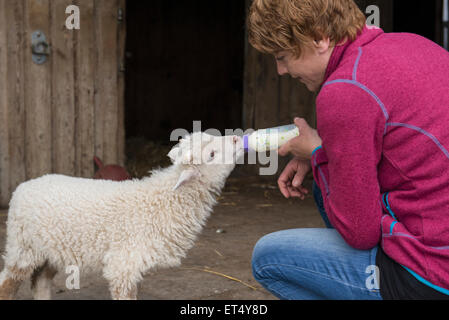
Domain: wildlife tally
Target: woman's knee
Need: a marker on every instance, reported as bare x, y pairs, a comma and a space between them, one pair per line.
262, 250
265, 253
282, 247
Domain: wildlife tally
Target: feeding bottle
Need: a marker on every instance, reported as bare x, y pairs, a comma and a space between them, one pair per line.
270, 139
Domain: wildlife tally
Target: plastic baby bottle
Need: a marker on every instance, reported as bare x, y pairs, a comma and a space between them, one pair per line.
270, 139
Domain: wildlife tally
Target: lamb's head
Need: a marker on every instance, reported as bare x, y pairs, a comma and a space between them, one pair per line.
208, 158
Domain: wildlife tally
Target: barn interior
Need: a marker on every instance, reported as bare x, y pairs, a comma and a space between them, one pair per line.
184, 63
423, 18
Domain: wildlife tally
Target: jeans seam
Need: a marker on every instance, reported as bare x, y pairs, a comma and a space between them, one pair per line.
260, 269
269, 288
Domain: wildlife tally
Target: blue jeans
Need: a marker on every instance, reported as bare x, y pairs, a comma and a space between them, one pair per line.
314, 264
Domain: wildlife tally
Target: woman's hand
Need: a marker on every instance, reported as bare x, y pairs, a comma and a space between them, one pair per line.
303, 145
291, 179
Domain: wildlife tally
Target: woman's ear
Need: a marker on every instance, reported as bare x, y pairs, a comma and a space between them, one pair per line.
322, 46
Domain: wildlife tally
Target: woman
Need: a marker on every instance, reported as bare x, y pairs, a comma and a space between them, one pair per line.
379, 157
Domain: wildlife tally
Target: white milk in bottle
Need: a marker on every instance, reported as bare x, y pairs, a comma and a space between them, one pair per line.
270, 139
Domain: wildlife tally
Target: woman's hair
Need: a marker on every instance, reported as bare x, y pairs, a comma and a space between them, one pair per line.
289, 25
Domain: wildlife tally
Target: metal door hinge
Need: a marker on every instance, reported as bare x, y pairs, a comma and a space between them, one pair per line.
39, 47
120, 15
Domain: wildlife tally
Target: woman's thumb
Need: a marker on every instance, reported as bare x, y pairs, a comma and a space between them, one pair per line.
284, 149
299, 122
297, 181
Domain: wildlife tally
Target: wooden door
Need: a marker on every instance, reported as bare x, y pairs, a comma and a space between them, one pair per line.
55, 116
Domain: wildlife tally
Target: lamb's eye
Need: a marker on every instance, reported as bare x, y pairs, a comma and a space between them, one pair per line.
212, 154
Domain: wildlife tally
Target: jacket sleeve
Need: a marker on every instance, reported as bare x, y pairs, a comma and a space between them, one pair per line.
351, 124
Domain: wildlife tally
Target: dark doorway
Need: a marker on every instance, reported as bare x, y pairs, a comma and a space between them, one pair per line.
184, 63
420, 17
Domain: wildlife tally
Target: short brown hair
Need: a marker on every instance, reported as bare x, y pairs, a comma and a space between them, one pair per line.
288, 25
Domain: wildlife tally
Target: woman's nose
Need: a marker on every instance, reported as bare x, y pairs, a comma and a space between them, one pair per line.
281, 68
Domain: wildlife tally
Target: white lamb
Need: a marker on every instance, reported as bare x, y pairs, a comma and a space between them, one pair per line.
122, 229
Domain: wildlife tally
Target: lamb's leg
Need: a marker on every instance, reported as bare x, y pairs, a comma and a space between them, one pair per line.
10, 281
123, 289
122, 282
123, 277
41, 282
20, 262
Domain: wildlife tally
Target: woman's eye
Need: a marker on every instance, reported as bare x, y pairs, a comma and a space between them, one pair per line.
280, 58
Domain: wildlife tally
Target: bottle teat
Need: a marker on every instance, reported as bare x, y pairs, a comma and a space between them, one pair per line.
246, 142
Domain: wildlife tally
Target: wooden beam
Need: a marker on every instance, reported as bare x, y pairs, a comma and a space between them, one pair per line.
106, 100
16, 50
4, 117
63, 90
85, 74
121, 50
38, 117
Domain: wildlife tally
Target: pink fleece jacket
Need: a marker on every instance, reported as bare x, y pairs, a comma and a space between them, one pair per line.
383, 116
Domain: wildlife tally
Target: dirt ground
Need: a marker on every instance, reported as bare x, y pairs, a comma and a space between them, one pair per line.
219, 265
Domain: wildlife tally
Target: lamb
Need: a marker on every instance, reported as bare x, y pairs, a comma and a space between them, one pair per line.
123, 229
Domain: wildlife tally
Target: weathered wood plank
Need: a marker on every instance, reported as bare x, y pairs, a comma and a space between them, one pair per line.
4, 134
249, 84
38, 135
285, 90
63, 95
106, 104
302, 102
14, 18
85, 65
249, 87
267, 93
121, 48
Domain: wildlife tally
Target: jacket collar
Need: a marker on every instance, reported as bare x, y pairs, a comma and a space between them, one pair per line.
365, 36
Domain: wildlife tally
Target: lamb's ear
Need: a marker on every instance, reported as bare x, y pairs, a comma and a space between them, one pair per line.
178, 156
186, 176
174, 154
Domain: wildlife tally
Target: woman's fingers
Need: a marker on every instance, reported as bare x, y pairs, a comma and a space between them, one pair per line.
285, 179
283, 187
298, 179
295, 193
304, 190
291, 179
